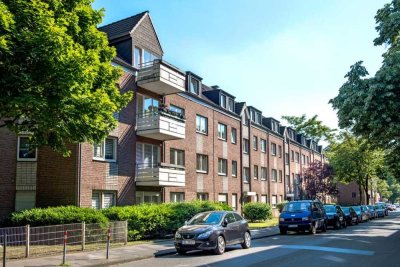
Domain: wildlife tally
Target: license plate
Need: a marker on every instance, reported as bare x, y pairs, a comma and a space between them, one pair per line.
188, 242
292, 225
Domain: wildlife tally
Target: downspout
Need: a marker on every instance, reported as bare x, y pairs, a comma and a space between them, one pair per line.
78, 175
213, 157
268, 170
241, 166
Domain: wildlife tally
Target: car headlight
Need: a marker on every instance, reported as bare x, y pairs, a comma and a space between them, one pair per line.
305, 219
281, 219
205, 235
178, 235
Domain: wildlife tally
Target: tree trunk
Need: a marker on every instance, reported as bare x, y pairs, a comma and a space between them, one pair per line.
360, 191
366, 190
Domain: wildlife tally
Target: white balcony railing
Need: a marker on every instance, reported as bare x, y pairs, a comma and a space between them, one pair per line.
161, 125
161, 175
161, 77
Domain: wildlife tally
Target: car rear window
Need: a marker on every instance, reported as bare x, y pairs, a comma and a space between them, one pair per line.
330, 209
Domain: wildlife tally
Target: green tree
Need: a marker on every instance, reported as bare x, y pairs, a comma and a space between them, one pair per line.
353, 159
56, 77
312, 128
370, 106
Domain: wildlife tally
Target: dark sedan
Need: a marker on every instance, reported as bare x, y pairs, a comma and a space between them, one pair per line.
213, 230
350, 215
336, 217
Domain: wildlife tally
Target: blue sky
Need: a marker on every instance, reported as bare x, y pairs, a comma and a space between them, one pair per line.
283, 57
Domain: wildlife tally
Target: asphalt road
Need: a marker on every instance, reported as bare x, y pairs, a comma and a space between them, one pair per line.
374, 243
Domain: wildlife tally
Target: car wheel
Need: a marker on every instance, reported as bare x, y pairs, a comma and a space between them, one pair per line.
313, 229
283, 231
246, 240
220, 249
337, 224
180, 251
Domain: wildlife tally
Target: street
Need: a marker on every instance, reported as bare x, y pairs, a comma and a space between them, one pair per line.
374, 243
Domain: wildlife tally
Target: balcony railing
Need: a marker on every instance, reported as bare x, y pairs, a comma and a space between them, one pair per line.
160, 175
160, 77
161, 125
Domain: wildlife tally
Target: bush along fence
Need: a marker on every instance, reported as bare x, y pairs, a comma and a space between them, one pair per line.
25, 241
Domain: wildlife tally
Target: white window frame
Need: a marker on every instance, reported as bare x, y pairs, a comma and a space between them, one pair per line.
201, 161
274, 178
18, 147
221, 164
273, 149
246, 146
101, 197
176, 194
190, 84
234, 168
231, 104
222, 100
202, 196
233, 135
234, 201
173, 152
103, 148
255, 172
222, 131
263, 145
246, 177
255, 143
263, 171
274, 201
199, 127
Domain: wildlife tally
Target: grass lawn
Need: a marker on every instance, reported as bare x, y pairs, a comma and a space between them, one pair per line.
264, 224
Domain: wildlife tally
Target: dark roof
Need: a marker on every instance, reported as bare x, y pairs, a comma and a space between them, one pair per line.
239, 107
122, 27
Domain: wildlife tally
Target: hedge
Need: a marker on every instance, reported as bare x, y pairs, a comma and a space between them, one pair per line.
257, 211
145, 221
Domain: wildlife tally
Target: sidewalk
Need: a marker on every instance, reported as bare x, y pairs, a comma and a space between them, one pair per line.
121, 254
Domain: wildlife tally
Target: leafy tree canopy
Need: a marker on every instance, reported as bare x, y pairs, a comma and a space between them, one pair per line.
312, 127
56, 77
319, 181
369, 106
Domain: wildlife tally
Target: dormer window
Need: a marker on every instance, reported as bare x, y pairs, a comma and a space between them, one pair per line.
142, 56
274, 126
222, 100
194, 85
231, 104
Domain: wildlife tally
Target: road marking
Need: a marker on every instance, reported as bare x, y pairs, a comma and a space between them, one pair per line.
330, 249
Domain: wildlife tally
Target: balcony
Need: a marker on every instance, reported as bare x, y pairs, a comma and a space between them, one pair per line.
161, 78
160, 175
161, 125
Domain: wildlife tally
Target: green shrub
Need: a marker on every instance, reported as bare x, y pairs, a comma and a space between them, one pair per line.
281, 205
257, 211
56, 215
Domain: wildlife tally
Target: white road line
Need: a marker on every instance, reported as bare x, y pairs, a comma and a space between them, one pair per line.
330, 249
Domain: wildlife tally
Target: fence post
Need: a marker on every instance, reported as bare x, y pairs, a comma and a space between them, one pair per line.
4, 249
65, 248
126, 233
83, 235
108, 242
27, 240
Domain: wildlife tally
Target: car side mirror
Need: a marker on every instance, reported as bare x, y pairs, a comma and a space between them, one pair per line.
225, 222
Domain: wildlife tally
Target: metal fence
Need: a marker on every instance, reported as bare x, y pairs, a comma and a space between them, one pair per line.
26, 241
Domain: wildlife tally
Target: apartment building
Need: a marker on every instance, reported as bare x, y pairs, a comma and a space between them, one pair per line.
177, 140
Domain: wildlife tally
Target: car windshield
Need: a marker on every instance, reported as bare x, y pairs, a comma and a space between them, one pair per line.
378, 207
297, 206
206, 218
346, 210
330, 209
357, 208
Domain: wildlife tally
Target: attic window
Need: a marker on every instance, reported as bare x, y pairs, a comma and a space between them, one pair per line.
142, 56
222, 100
275, 126
194, 86
231, 104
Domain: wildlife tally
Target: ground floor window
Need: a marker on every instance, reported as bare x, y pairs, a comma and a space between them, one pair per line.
223, 198
273, 204
148, 197
25, 200
177, 197
202, 196
234, 201
103, 199
264, 198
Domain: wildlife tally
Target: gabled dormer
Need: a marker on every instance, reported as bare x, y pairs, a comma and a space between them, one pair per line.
221, 98
272, 124
255, 115
193, 83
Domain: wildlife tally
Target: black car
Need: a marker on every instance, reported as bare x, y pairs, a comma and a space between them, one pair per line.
336, 217
213, 230
350, 215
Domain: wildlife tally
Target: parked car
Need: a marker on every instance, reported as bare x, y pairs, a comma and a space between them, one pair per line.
213, 230
361, 213
350, 215
303, 215
366, 210
392, 207
372, 212
380, 210
384, 206
336, 217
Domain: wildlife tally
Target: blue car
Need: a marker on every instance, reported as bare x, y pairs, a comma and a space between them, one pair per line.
303, 215
380, 210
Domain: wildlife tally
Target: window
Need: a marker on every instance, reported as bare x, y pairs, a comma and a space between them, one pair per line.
280, 151
177, 197
222, 100
103, 199
222, 166
280, 199
353, 194
177, 157
147, 105
142, 56
255, 143
148, 56
194, 86
264, 198
233, 135
263, 145
177, 110
246, 174
231, 104
223, 198
105, 150
273, 201
307, 160
148, 197
202, 196
202, 163
303, 159
234, 202
201, 124
255, 172
258, 118
280, 177
297, 157
263, 173
273, 175
26, 152
292, 157
245, 146
137, 57
287, 158
222, 131
234, 168
273, 149
256, 198
147, 155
